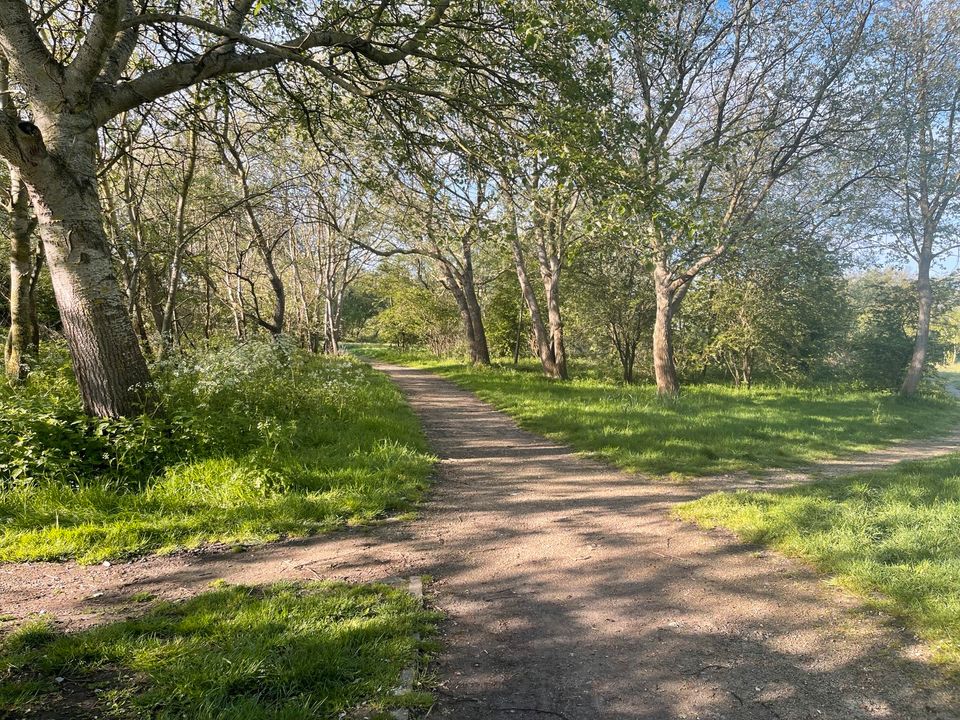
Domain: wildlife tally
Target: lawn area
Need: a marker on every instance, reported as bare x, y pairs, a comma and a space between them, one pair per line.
711, 429
894, 532
280, 652
256, 443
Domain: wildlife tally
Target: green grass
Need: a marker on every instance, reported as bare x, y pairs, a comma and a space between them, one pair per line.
257, 452
711, 429
950, 373
892, 536
281, 652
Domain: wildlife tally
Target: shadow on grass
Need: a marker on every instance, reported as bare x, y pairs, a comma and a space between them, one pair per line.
293, 451
278, 652
711, 429
895, 532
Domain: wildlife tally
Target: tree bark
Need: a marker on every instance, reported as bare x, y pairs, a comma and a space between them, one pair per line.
332, 305
32, 292
109, 366
664, 368
20, 340
480, 351
911, 382
540, 335
555, 320
167, 330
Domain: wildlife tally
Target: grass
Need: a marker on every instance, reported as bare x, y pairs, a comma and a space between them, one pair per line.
892, 536
951, 373
280, 652
711, 429
259, 449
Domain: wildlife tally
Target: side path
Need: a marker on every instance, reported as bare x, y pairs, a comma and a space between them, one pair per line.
569, 592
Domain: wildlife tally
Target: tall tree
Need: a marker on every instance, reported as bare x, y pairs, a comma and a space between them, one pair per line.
22, 223
718, 104
78, 64
916, 150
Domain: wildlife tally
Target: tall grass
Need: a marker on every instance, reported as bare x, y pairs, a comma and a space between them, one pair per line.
257, 442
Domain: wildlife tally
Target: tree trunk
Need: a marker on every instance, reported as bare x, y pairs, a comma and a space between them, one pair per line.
32, 292
557, 345
664, 369
167, 330
333, 301
550, 275
925, 302
453, 284
540, 336
480, 350
109, 366
20, 340
519, 336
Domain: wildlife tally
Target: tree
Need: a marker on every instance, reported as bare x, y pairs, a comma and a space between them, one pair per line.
775, 307
916, 149
617, 295
442, 210
717, 104
540, 211
23, 273
79, 65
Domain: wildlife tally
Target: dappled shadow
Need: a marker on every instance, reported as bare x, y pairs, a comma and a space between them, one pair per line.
570, 592
711, 429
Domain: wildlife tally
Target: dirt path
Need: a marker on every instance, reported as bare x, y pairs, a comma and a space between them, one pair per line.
569, 592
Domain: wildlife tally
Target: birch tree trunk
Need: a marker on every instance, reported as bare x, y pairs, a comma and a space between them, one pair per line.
110, 368
20, 340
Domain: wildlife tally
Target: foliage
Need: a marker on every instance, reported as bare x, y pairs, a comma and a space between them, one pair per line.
774, 310
613, 304
506, 318
711, 429
278, 652
259, 440
884, 321
414, 314
893, 536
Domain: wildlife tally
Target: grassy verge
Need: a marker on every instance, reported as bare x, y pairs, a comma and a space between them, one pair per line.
893, 536
253, 447
280, 652
710, 429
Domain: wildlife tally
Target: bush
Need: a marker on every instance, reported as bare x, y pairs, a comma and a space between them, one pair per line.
46, 436
256, 441
882, 337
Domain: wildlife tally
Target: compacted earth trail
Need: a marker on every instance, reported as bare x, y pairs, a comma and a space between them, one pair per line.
569, 592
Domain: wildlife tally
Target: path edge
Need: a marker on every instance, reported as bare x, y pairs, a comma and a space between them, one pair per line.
409, 673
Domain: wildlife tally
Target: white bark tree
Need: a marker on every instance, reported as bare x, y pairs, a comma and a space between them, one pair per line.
722, 101
80, 64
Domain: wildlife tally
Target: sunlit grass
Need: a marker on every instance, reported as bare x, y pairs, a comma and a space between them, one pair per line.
291, 451
893, 536
711, 429
281, 652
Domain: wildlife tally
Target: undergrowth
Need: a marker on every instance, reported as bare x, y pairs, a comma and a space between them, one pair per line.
255, 442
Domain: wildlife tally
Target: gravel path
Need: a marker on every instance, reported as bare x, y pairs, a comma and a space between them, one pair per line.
569, 592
